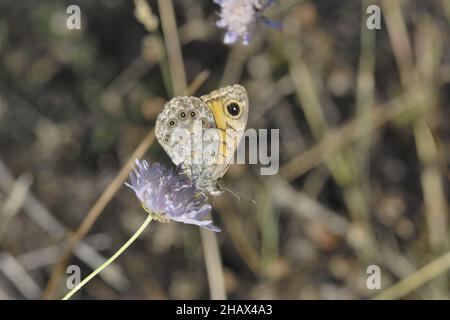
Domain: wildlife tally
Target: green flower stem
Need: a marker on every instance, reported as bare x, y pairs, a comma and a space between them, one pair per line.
110, 260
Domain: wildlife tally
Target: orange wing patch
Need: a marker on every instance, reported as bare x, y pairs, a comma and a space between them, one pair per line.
227, 142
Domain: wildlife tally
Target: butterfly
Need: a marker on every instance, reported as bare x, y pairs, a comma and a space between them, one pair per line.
201, 135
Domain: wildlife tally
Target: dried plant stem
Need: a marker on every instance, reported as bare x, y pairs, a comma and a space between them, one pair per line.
417, 279
95, 212
14, 202
110, 260
428, 56
214, 265
238, 236
173, 49
197, 82
352, 131
441, 153
343, 164
446, 5
365, 98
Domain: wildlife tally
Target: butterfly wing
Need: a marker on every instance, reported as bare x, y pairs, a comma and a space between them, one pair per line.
230, 126
201, 135
181, 130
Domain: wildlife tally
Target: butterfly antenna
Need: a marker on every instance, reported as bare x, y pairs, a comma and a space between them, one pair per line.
234, 193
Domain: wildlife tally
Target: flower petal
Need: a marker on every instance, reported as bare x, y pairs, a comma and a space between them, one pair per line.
230, 37
170, 194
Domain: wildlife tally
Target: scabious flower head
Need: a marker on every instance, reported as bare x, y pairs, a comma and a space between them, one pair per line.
169, 195
239, 17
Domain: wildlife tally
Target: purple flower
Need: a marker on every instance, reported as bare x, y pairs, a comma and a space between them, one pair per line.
240, 16
169, 195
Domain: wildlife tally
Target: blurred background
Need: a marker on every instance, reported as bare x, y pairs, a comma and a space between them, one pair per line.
364, 150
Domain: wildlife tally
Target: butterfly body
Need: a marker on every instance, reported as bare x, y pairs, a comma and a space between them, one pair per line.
202, 134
